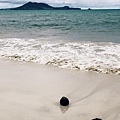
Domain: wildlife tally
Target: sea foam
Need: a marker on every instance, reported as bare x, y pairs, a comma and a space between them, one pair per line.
101, 57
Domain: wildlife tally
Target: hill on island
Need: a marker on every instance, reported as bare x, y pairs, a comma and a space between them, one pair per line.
41, 6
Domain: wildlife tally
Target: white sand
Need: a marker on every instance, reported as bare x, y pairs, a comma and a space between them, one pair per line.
30, 91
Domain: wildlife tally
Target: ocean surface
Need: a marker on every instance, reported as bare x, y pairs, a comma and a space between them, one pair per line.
85, 40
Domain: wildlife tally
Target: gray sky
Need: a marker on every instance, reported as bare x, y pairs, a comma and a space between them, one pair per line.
71, 3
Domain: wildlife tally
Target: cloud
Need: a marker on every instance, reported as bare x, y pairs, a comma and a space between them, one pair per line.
72, 3
12, 2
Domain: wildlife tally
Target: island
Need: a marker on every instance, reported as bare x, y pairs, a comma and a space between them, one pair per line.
89, 9
42, 6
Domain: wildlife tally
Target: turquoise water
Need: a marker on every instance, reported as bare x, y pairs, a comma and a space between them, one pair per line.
95, 25
83, 40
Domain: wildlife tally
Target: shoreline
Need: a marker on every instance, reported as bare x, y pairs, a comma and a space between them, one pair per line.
89, 56
32, 91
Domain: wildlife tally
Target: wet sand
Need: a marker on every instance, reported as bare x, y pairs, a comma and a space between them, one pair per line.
30, 91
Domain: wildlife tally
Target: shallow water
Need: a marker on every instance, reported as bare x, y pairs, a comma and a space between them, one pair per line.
85, 40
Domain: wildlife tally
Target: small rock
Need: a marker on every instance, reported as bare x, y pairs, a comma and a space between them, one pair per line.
97, 119
64, 101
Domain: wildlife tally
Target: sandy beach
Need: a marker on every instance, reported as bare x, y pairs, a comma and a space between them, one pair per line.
31, 91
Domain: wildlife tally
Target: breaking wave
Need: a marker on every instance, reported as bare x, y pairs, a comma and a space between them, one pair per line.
102, 57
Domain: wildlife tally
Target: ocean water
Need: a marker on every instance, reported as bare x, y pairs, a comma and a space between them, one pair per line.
83, 40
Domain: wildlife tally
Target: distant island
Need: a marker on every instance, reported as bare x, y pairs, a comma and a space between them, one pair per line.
41, 6
89, 9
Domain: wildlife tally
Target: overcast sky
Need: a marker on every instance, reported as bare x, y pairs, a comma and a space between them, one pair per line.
71, 3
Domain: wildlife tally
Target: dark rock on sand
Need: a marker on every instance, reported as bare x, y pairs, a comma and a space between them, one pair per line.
64, 101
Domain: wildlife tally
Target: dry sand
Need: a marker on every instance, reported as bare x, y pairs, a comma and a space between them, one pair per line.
30, 91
